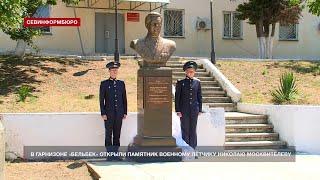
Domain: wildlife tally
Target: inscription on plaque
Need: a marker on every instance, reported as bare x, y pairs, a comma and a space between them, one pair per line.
158, 91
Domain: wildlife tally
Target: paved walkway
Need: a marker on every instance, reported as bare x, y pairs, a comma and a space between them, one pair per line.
306, 167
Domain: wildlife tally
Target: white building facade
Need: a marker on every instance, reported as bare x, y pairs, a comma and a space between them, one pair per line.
233, 38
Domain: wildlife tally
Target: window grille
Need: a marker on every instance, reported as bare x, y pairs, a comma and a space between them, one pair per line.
288, 32
43, 12
232, 26
173, 23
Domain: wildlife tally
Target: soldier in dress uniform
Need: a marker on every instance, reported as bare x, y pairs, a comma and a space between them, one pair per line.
188, 103
113, 107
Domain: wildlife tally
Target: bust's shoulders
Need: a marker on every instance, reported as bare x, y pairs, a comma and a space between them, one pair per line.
169, 42
136, 43
140, 42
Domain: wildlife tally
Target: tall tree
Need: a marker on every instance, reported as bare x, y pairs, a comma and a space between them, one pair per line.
314, 7
264, 14
12, 13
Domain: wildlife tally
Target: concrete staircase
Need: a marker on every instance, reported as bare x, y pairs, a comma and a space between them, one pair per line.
250, 131
213, 94
243, 131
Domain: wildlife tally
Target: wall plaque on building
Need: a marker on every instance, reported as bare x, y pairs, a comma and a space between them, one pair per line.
133, 17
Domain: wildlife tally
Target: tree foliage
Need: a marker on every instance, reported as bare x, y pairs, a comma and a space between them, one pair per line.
12, 13
267, 12
314, 7
264, 14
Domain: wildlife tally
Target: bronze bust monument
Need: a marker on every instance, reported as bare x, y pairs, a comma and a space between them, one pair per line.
154, 50
154, 94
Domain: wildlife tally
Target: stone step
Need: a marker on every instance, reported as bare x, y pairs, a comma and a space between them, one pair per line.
209, 94
210, 83
255, 145
207, 90
208, 78
211, 88
181, 73
245, 118
248, 128
227, 106
236, 137
260, 149
216, 99
199, 74
213, 93
246, 121
181, 70
213, 83
180, 65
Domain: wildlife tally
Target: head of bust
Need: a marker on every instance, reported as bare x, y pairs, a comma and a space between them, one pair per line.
153, 23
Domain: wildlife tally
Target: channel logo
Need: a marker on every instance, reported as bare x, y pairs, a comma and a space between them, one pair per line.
45, 22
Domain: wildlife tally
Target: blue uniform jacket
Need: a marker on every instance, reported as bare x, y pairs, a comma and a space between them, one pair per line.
188, 96
113, 98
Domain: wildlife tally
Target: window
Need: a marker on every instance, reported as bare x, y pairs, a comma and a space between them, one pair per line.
232, 26
173, 23
43, 12
288, 32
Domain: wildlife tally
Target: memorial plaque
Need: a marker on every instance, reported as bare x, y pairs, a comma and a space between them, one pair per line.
158, 92
154, 102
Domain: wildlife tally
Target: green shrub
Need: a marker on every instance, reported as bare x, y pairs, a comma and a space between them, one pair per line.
264, 72
24, 92
287, 90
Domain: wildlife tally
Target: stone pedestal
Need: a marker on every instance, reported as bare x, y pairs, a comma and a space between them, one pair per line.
154, 115
2, 149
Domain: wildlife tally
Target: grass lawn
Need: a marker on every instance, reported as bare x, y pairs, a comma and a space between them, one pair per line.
256, 79
59, 85
68, 85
